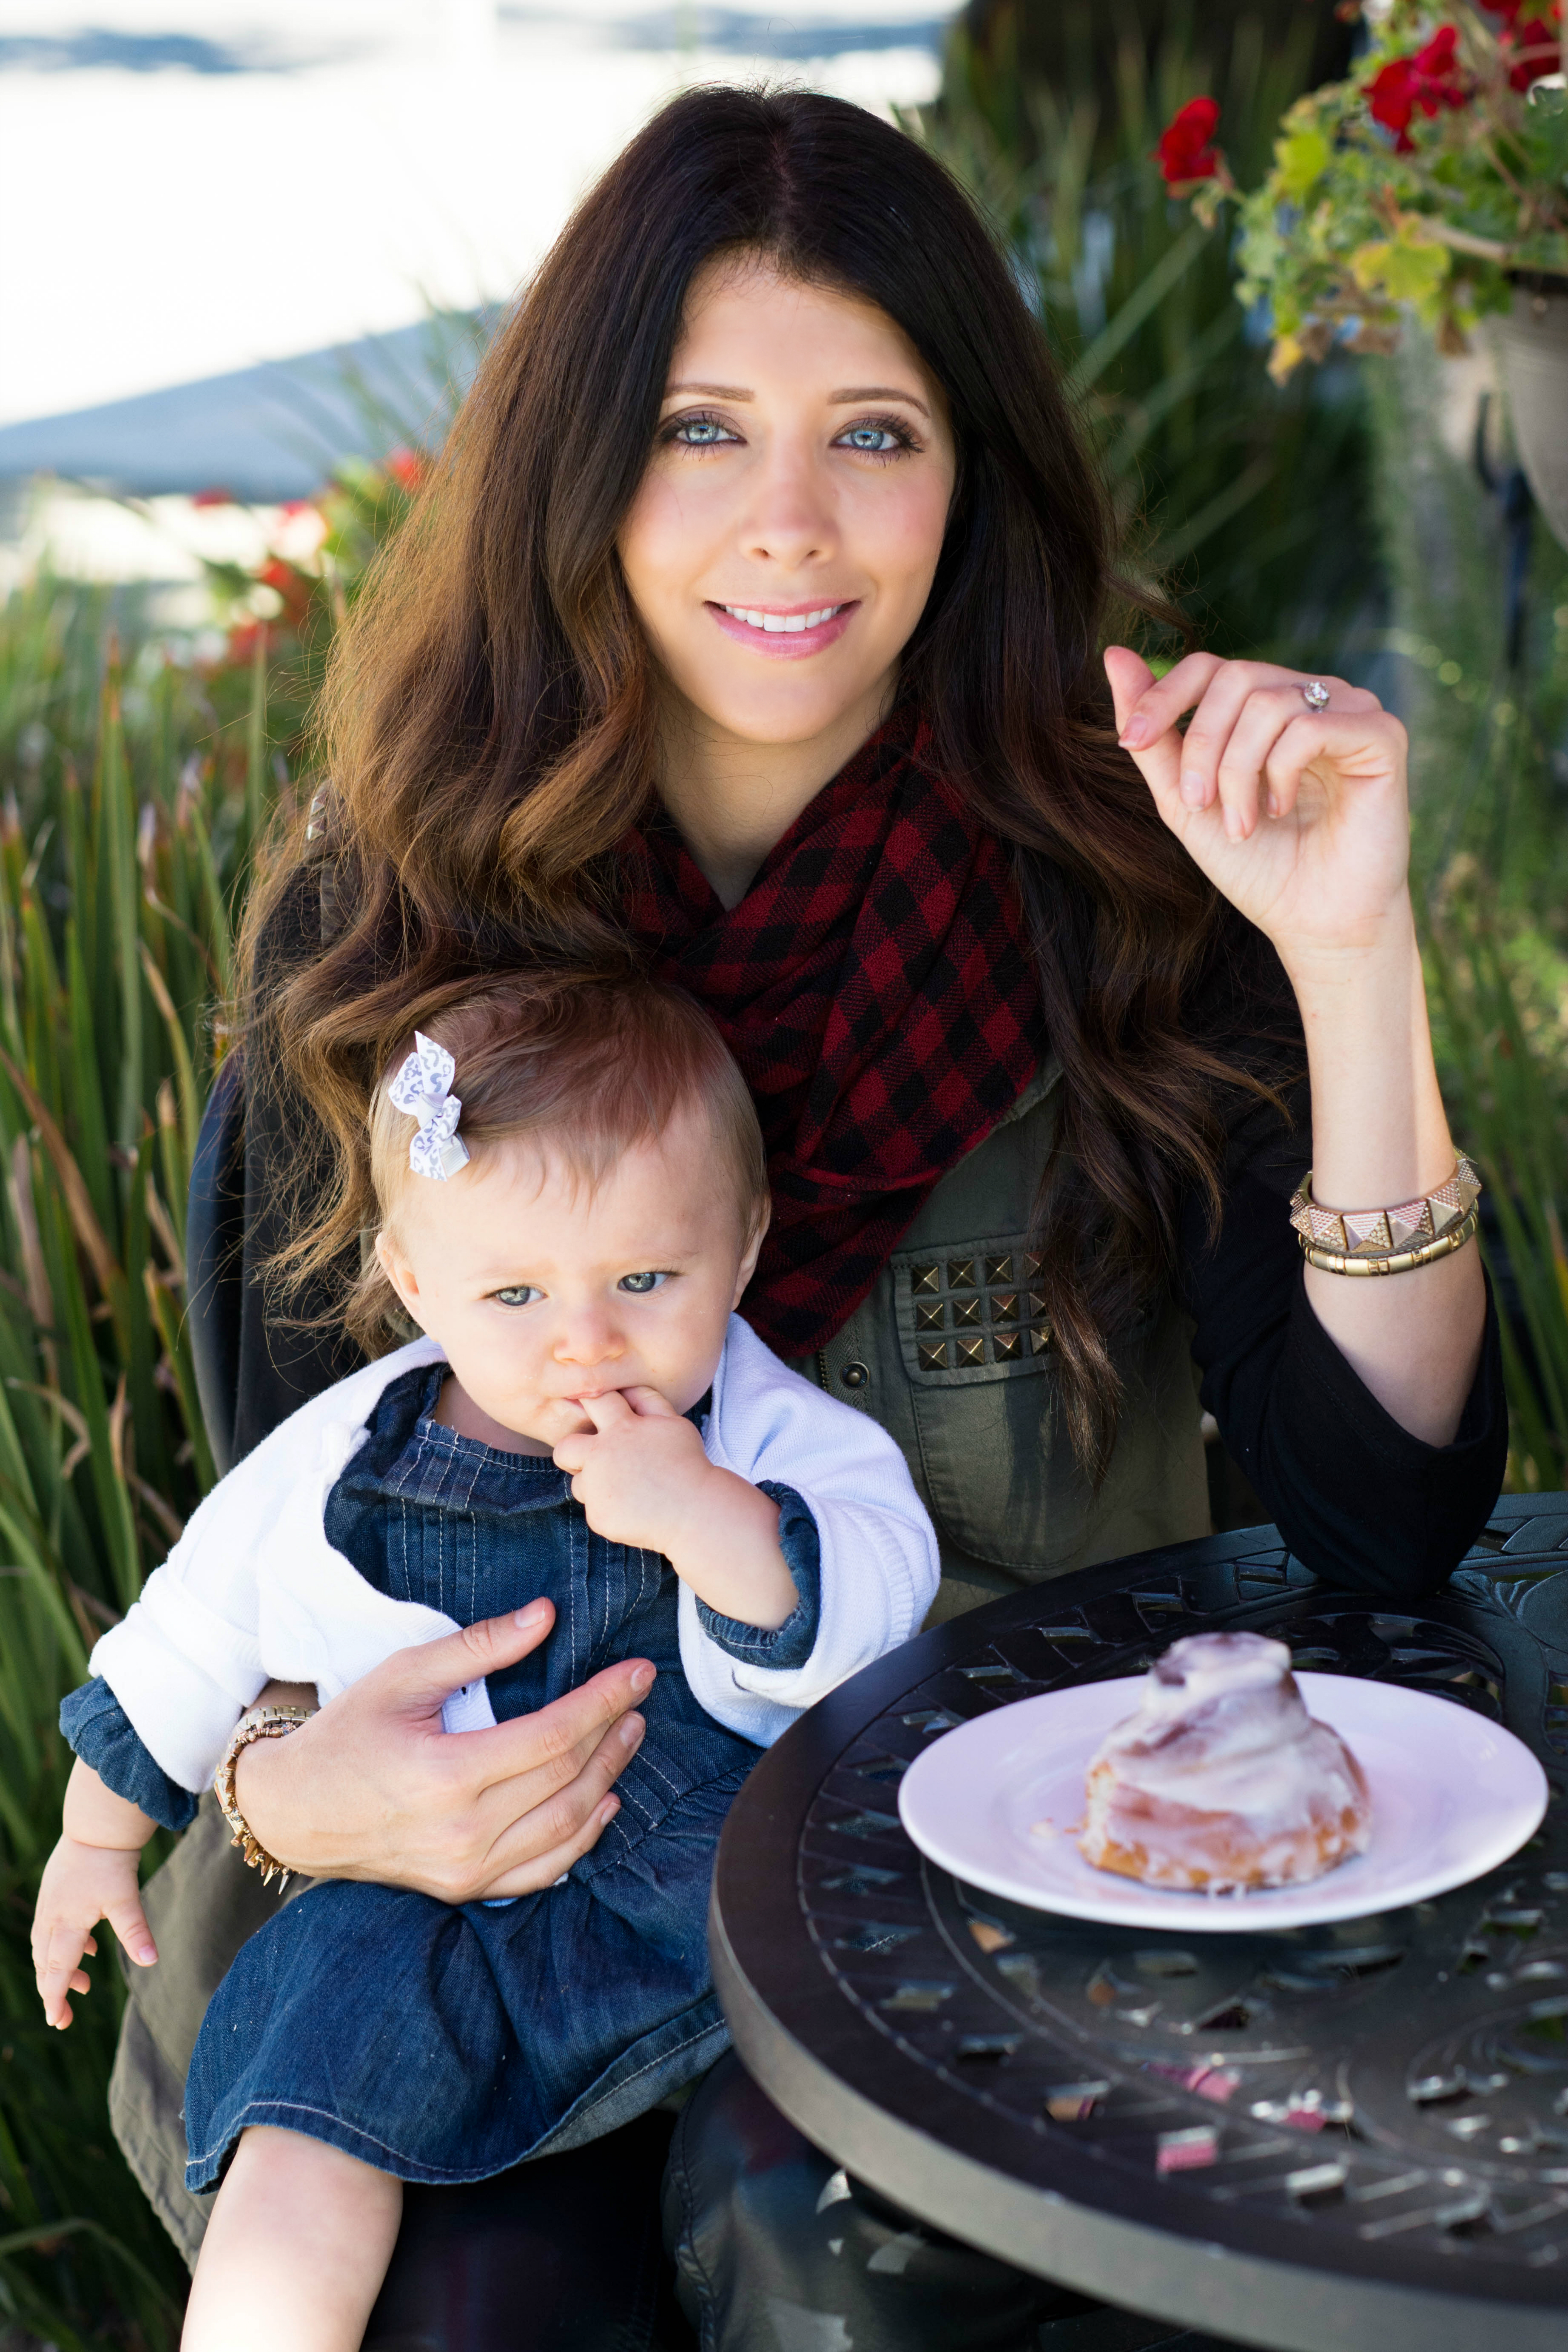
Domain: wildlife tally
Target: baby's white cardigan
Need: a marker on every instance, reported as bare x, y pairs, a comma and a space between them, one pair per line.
254, 1592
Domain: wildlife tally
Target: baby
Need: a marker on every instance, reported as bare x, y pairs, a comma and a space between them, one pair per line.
585, 1420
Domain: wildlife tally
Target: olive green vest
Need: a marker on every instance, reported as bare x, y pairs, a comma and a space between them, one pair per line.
952, 1354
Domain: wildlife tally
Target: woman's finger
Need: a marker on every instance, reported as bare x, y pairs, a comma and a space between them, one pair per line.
573, 1819
537, 1812
422, 1678
547, 1740
1153, 710
544, 1870
1246, 778
1157, 759
1362, 746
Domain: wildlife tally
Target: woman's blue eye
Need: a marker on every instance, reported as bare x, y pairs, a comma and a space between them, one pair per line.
703, 431
640, 1284
517, 1293
878, 440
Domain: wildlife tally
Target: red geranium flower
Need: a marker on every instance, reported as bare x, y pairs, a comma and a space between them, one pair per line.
1541, 51
291, 585
407, 468
243, 639
1430, 79
1184, 151
215, 496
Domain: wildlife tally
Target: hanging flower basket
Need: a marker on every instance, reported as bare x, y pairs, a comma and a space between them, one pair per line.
1433, 182
1534, 343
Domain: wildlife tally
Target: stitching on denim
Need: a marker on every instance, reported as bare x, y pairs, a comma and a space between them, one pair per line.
571, 1587
671, 1785
468, 1521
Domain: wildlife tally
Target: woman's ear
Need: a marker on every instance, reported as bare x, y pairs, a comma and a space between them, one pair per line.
748, 1266
398, 1271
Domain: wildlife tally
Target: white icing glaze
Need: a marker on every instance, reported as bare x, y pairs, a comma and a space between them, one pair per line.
1223, 1729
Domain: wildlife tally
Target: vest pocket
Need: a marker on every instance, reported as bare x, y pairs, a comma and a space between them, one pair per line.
977, 1353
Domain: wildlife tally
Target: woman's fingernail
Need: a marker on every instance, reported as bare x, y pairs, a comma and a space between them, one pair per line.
145, 1955
1135, 733
1234, 828
642, 1679
532, 1614
631, 1730
1273, 805
608, 1810
1194, 788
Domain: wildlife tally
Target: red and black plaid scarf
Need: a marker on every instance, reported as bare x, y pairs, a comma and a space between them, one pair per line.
875, 988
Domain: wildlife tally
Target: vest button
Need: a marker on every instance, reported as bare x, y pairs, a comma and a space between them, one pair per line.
854, 1376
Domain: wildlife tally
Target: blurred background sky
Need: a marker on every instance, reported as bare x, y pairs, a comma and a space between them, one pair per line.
208, 200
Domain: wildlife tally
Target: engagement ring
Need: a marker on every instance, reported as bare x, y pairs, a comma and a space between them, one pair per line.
1316, 695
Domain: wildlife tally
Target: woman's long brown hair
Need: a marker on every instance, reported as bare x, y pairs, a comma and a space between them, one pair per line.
489, 719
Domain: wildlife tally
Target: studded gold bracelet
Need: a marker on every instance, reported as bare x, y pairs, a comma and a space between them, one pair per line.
262, 1723
1389, 1241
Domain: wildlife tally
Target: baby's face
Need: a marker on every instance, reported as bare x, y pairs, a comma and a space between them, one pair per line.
543, 1291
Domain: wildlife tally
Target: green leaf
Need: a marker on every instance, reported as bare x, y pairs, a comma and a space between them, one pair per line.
1299, 161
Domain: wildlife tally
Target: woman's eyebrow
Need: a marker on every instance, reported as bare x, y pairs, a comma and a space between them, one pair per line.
875, 391
846, 399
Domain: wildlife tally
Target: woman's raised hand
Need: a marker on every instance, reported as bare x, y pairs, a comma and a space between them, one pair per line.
1299, 816
373, 1787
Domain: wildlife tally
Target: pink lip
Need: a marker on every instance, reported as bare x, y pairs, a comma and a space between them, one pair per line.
796, 644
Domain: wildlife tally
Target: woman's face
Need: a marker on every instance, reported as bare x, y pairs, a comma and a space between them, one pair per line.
782, 544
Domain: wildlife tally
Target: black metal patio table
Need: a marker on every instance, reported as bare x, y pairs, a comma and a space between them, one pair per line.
1344, 2139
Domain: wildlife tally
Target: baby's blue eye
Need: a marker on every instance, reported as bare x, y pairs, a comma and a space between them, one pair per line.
517, 1293
640, 1284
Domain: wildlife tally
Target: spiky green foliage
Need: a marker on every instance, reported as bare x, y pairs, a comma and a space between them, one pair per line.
129, 813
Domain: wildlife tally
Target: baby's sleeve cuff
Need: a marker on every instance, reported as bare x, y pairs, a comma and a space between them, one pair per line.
781, 1648
98, 1729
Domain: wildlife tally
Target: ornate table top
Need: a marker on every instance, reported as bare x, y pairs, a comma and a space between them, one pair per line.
1347, 2138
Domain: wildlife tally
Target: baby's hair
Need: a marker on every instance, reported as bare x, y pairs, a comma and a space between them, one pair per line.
585, 1070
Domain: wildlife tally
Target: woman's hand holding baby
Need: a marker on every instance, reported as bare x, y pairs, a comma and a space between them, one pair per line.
643, 1478
373, 1788
93, 1874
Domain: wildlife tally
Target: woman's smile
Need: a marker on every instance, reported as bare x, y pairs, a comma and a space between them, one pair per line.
785, 632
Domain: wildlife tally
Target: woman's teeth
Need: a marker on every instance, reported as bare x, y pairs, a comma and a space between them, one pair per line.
777, 624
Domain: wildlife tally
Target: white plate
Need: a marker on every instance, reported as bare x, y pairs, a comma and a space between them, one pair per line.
1452, 1796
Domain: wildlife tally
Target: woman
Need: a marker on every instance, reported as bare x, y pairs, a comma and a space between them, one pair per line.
751, 627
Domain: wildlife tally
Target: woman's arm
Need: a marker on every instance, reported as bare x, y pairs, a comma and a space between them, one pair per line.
1356, 1496
1299, 817
373, 1788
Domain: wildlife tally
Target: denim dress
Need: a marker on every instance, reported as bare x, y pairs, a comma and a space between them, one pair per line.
445, 2042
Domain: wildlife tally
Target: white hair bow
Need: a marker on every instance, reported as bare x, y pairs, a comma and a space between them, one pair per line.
422, 1089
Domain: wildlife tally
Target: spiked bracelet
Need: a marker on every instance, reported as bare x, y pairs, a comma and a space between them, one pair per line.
1388, 1241
262, 1723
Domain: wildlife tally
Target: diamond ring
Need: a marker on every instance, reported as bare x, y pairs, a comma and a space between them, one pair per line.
1316, 695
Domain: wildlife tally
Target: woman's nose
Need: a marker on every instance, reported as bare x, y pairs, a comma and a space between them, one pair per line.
790, 520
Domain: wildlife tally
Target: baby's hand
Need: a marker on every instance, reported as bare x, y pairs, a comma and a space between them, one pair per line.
640, 1473
91, 1875
643, 1478
82, 1885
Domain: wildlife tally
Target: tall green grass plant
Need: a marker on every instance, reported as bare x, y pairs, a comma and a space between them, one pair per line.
131, 810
